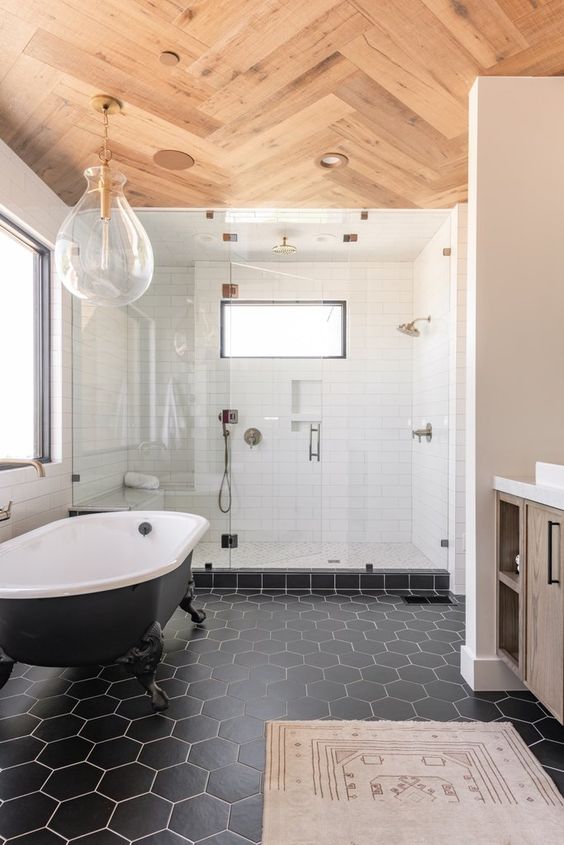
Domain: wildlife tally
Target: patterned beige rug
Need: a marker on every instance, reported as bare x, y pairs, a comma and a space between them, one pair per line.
414, 783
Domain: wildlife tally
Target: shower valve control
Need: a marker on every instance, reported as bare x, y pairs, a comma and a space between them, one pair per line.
252, 437
228, 416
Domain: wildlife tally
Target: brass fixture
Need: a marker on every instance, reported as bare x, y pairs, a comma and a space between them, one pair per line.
426, 432
229, 236
6, 513
106, 105
364, 215
173, 159
329, 161
24, 462
350, 239
447, 251
410, 328
284, 248
169, 58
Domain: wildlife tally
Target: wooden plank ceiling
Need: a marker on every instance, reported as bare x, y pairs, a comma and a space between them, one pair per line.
263, 88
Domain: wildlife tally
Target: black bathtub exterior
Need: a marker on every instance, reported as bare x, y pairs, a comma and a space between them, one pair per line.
91, 628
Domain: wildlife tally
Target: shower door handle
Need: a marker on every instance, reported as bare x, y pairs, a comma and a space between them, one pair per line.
315, 429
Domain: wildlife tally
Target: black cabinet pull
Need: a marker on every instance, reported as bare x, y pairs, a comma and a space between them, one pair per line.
551, 524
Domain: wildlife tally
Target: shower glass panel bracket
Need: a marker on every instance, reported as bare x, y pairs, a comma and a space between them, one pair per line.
315, 442
426, 432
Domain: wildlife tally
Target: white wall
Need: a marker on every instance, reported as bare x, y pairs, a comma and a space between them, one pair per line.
28, 201
515, 401
430, 362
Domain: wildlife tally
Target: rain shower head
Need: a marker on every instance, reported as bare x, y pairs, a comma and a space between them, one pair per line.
411, 329
284, 248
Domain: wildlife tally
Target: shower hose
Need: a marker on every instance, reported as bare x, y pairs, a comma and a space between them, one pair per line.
225, 486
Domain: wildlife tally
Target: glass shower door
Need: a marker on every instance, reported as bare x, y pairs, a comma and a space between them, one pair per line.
273, 328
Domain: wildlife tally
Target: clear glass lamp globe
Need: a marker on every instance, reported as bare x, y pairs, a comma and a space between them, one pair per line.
104, 261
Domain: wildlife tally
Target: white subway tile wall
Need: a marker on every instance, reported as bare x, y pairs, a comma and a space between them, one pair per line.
25, 199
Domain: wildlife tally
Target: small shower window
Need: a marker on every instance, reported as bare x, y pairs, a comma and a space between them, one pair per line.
283, 329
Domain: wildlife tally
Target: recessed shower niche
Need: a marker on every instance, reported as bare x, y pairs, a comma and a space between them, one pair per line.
337, 481
306, 403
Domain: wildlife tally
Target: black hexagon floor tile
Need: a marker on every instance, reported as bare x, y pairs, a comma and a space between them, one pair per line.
234, 782
25, 814
22, 779
201, 816
141, 816
79, 816
126, 781
72, 781
87, 738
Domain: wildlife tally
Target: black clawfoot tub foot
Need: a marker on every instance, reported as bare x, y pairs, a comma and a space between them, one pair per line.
142, 660
186, 604
6, 666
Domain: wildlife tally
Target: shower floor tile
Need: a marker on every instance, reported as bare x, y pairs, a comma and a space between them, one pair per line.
255, 555
119, 774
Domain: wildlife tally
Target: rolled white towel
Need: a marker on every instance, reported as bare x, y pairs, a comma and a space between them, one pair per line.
141, 481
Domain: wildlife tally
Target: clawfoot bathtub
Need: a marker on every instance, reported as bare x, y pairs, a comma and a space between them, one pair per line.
97, 589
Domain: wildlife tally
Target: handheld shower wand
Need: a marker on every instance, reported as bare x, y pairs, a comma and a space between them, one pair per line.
226, 417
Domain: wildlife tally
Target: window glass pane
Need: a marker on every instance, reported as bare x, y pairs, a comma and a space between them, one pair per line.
283, 329
17, 348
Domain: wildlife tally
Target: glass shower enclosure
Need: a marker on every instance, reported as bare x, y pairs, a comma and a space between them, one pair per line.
271, 392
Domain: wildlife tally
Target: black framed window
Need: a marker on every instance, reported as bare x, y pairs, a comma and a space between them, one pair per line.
24, 345
283, 329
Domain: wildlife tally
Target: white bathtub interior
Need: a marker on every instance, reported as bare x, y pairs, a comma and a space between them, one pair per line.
104, 551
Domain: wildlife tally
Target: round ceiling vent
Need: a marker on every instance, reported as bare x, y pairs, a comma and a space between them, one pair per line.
329, 161
173, 159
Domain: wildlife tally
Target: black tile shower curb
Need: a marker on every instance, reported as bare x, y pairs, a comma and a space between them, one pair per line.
329, 581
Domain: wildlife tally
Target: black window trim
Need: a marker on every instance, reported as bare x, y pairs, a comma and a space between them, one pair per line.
226, 304
42, 333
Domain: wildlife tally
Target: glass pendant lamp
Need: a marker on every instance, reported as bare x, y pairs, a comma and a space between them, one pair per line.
102, 252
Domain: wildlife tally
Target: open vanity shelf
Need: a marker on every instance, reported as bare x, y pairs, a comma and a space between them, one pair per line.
530, 596
510, 606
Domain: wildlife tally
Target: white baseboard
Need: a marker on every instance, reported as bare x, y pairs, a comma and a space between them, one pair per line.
484, 674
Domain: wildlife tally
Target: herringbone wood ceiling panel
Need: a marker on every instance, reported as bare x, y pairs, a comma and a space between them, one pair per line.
262, 89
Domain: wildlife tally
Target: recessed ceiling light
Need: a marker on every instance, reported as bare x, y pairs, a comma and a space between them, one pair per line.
169, 57
332, 160
173, 159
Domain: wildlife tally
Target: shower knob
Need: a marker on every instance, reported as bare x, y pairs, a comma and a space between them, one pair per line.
252, 437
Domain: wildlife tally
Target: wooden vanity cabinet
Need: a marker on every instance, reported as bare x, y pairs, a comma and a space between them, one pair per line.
530, 596
544, 634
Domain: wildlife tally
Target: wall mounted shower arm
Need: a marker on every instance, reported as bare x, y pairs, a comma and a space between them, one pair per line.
410, 328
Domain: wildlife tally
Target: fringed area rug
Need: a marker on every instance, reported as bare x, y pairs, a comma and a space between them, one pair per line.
365, 783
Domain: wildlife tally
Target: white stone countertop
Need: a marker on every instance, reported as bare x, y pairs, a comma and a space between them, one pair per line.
525, 488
